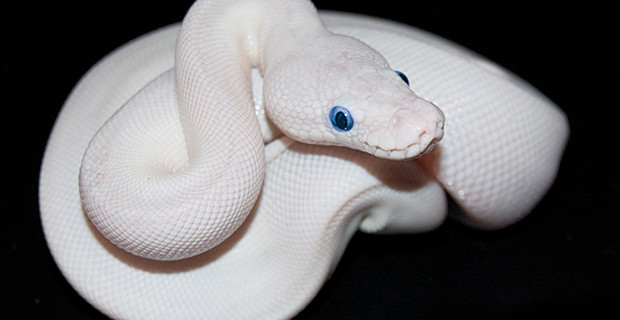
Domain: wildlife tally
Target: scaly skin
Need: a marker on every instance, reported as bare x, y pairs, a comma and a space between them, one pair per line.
170, 160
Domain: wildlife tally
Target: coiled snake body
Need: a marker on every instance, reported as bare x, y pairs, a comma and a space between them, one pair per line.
195, 201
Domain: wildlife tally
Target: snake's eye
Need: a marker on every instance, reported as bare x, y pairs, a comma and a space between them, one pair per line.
403, 76
341, 118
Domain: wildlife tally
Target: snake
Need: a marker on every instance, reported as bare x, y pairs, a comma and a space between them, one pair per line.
218, 168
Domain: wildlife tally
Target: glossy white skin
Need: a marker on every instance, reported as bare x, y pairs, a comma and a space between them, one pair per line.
313, 198
169, 206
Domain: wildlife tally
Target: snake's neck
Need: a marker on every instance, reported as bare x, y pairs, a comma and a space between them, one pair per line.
218, 45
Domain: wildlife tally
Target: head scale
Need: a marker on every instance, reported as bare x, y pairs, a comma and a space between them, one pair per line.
339, 91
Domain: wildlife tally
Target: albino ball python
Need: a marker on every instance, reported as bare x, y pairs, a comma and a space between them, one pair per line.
219, 170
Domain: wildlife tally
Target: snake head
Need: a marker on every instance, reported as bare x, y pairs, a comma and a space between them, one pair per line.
339, 91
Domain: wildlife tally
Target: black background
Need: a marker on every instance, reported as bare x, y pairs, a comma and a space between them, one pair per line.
561, 260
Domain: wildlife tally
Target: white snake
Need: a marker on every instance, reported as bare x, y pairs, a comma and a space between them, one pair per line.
151, 211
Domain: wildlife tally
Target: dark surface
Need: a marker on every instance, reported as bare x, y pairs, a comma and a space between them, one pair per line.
561, 260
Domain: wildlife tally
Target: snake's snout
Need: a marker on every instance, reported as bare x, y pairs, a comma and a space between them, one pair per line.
411, 132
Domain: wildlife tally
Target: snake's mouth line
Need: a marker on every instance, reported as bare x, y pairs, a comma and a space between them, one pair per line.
416, 149
411, 151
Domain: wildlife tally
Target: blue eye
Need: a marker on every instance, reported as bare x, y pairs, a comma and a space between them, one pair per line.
403, 76
341, 118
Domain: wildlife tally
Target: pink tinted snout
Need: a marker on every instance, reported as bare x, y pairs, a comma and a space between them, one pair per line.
411, 127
